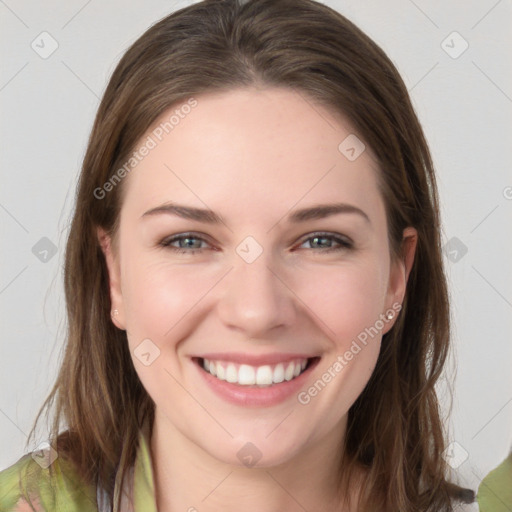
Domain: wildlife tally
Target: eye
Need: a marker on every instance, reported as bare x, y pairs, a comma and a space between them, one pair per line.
187, 246
321, 238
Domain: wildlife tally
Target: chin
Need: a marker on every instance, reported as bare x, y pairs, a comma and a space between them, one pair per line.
256, 452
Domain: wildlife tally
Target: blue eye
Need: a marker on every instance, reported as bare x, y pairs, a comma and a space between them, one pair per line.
343, 243
188, 239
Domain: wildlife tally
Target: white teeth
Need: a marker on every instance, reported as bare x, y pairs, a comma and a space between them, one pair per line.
264, 376
288, 374
247, 375
278, 374
231, 373
221, 372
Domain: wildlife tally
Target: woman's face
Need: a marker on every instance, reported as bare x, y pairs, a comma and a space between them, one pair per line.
262, 281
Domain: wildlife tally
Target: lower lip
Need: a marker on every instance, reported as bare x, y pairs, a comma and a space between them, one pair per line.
254, 395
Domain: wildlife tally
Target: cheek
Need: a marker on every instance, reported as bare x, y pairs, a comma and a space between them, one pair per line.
345, 299
157, 297
162, 304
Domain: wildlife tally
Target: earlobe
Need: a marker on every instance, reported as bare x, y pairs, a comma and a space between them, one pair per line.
116, 299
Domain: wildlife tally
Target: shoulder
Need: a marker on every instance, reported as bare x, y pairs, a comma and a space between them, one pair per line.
495, 490
43, 481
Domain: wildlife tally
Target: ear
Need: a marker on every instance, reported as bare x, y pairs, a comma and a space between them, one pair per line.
399, 275
114, 274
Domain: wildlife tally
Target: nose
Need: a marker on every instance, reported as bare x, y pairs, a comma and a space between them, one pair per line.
256, 298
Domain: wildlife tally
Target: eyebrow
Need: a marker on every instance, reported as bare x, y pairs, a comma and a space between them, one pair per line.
319, 211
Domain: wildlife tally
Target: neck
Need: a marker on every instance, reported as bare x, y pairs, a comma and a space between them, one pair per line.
187, 478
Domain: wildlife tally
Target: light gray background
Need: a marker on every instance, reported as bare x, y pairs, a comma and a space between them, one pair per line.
464, 104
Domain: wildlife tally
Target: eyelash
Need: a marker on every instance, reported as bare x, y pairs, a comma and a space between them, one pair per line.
343, 244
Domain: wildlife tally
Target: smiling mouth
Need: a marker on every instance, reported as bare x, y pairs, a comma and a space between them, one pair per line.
262, 376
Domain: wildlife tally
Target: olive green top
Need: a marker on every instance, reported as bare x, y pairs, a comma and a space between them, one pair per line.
495, 490
62, 490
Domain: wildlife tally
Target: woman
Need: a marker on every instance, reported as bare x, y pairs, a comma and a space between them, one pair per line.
287, 361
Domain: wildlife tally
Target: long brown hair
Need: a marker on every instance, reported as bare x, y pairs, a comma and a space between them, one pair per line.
395, 430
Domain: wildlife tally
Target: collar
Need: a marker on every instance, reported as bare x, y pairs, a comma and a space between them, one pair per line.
138, 488
144, 499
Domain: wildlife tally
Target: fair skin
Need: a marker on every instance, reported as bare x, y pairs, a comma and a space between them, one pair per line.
253, 156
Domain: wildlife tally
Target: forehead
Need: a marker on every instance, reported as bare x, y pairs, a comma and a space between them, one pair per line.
252, 148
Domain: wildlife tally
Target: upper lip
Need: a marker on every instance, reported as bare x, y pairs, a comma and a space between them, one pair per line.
254, 360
